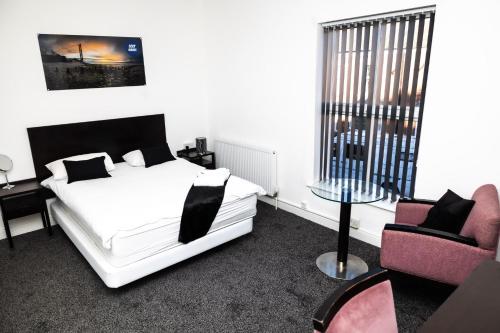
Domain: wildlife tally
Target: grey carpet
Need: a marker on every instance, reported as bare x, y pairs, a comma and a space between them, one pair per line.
266, 281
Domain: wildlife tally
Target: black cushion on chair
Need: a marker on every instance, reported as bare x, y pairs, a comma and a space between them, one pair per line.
86, 169
157, 155
449, 213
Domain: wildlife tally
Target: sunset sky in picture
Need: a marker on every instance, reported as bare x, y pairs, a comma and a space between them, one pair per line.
96, 49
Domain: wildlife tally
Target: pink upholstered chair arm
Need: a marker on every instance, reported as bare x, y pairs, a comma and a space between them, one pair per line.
430, 257
362, 305
411, 212
372, 311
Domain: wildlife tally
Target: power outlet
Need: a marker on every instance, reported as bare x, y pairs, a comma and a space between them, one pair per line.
355, 223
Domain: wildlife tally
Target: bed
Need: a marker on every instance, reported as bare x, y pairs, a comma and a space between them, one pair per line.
127, 226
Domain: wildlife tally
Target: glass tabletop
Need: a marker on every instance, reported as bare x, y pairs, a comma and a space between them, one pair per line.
348, 190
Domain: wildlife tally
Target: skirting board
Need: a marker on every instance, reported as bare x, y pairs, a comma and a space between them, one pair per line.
323, 220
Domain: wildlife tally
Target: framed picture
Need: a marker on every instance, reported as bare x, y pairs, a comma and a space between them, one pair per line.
78, 62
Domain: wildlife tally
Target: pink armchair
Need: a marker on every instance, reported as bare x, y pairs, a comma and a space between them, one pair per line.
438, 255
362, 305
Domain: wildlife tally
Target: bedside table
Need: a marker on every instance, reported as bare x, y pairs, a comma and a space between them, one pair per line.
206, 159
26, 198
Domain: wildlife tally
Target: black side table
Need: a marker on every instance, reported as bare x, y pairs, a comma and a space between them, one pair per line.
206, 159
26, 198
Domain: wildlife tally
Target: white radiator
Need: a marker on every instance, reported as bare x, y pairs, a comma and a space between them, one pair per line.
251, 163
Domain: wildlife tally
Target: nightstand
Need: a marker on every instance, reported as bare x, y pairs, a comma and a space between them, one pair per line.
26, 198
207, 159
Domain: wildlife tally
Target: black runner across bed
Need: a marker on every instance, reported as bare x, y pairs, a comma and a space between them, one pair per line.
200, 208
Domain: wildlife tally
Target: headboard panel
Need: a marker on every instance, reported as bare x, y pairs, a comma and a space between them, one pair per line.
114, 136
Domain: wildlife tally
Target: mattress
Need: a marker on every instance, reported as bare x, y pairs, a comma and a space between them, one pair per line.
136, 213
130, 247
115, 277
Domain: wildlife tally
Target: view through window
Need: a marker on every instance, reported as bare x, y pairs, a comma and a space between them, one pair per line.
373, 95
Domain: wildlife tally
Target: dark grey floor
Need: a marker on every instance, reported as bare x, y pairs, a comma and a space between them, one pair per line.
266, 281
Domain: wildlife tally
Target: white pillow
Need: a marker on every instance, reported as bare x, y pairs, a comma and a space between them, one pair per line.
134, 158
59, 170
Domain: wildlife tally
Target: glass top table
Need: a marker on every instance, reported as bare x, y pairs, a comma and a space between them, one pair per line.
341, 264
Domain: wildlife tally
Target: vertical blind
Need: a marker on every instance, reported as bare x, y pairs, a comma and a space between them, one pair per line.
373, 96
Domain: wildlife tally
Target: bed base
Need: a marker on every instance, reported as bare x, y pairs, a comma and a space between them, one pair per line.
115, 277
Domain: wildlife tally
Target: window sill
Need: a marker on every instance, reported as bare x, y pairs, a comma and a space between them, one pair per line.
385, 205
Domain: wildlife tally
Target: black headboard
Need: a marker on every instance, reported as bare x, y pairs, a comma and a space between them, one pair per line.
114, 136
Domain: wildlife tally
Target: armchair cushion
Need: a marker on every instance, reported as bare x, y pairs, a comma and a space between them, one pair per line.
449, 213
431, 257
483, 222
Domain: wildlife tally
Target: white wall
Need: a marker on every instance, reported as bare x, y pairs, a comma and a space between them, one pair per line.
263, 84
174, 59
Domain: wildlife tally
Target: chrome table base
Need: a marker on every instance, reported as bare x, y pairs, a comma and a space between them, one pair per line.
328, 264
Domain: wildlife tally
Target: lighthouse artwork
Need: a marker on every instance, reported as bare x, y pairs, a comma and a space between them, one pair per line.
77, 62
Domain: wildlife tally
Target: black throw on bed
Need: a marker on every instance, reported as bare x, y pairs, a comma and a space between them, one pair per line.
200, 208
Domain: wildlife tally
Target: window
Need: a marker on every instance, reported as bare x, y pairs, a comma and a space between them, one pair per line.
373, 94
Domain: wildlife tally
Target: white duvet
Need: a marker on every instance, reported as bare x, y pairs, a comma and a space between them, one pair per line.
135, 197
